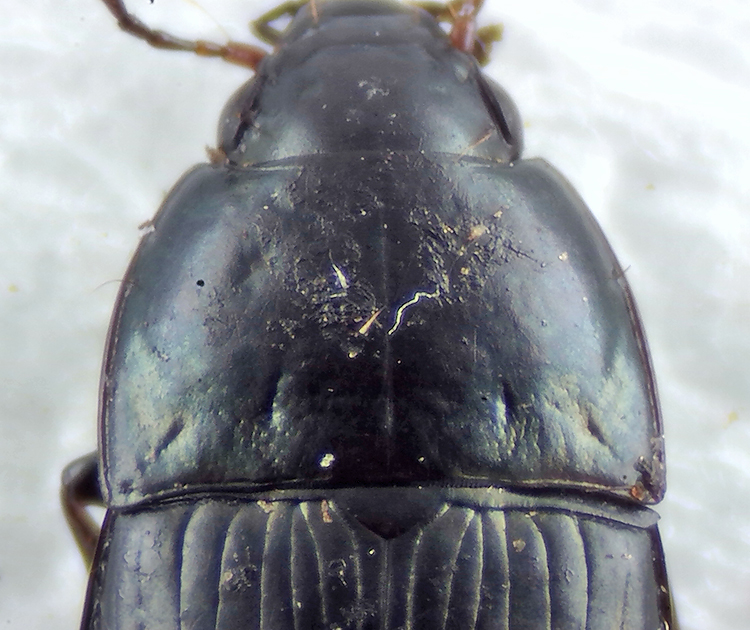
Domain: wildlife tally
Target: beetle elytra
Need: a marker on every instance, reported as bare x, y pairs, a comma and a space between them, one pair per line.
370, 368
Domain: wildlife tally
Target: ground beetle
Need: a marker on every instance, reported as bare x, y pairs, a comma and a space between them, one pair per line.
370, 369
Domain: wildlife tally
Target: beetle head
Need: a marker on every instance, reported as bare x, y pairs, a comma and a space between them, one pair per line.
364, 76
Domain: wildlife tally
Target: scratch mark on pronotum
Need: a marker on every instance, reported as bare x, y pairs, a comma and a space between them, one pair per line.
366, 326
417, 296
325, 513
343, 280
474, 145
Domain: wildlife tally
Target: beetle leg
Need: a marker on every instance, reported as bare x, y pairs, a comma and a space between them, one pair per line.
262, 28
464, 34
485, 37
234, 52
80, 488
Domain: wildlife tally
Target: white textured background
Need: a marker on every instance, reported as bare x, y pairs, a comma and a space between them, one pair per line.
643, 104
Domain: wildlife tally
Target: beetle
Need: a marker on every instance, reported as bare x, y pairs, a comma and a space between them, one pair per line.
369, 368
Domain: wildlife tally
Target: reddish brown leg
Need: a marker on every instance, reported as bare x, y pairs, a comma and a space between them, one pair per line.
234, 52
80, 489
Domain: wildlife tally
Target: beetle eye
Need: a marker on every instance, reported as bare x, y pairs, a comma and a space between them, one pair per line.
504, 114
239, 115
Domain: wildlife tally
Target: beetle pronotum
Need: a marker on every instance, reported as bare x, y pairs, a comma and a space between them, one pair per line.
369, 368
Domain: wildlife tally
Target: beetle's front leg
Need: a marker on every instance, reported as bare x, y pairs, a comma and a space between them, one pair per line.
80, 489
262, 28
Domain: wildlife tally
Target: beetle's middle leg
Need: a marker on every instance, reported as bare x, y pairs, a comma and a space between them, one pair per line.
80, 489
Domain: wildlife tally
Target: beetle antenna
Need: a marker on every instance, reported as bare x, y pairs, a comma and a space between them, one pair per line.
464, 34
234, 52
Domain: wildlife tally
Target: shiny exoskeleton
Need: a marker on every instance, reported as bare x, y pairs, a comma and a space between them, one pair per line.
371, 370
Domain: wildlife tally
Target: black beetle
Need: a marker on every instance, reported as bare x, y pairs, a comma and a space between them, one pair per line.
370, 369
